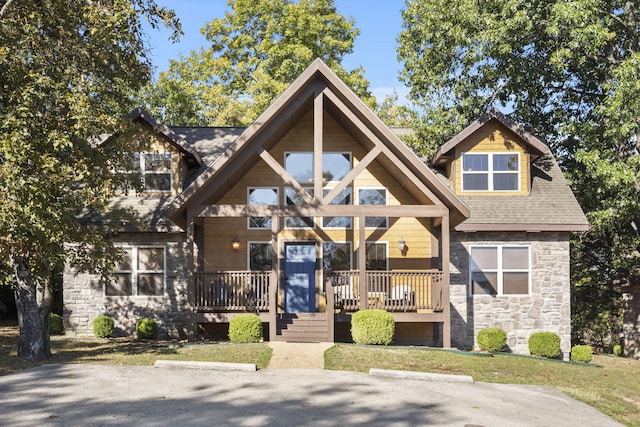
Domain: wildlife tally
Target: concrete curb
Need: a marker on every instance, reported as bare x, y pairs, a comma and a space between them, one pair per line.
427, 376
218, 366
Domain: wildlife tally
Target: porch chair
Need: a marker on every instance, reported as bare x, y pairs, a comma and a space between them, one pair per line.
401, 296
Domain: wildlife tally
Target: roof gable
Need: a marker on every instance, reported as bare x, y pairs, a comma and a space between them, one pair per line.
537, 147
317, 89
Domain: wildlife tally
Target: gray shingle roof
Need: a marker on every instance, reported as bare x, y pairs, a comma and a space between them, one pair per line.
551, 205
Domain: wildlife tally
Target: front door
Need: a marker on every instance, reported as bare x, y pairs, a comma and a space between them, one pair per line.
300, 277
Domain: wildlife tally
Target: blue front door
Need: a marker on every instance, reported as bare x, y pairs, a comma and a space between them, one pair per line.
300, 277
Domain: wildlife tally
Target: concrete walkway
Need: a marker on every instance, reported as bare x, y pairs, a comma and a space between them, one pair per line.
294, 355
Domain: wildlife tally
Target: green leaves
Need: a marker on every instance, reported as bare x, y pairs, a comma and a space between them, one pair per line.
257, 49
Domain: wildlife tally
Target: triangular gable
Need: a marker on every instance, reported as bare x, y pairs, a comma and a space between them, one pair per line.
537, 147
139, 114
316, 84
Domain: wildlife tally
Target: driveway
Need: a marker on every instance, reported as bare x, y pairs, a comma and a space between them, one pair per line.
95, 395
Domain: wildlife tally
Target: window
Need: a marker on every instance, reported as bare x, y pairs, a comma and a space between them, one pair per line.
261, 196
260, 256
344, 198
335, 166
336, 256
140, 273
376, 256
154, 170
374, 196
499, 270
294, 199
490, 172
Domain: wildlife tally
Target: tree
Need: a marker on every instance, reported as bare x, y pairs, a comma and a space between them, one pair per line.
67, 69
257, 49
569, 71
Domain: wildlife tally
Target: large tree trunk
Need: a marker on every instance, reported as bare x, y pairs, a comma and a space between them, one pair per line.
33, 342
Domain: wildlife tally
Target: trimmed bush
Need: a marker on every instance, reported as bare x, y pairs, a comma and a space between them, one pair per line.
245, 328
544, 344
372, 326
581, 353
492, 339
103, 326
146, 328
55, 324
617, 350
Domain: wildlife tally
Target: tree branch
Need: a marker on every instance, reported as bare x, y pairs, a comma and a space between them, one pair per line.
5, 6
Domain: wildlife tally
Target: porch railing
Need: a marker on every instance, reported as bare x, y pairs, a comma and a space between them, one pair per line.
232, 291
388, 290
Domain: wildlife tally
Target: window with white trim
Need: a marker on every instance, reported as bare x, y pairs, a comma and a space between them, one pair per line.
292, 198
261, 196
490, 172
260, 256
336, 256
335, 166
376, 256
500, 270
343, 198
155, 171
373, 196
140, 273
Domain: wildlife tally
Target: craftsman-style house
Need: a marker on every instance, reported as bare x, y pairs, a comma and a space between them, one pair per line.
318, 210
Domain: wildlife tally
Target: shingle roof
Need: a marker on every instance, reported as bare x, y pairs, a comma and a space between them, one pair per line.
551, 206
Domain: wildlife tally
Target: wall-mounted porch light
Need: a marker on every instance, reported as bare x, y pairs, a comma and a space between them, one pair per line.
402, 246
235, 244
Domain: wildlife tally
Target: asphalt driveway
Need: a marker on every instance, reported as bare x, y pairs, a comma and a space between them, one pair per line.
95, 395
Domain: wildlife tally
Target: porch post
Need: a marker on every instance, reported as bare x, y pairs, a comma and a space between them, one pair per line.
329, 308
363, 287
273, 279
446, 324
191, 285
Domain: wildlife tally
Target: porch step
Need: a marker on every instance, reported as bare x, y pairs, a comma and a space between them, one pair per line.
302, 327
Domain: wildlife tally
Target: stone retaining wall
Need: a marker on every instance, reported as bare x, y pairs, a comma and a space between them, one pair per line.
84, 297
547, 308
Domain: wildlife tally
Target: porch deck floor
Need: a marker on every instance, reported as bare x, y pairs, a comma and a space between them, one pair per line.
289, 355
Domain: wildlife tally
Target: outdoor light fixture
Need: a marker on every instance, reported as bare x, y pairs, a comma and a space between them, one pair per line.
402, 246
235, 244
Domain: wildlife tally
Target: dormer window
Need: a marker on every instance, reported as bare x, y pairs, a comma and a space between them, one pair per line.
155, 171
490, 172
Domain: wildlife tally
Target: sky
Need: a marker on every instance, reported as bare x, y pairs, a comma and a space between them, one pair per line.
379, 22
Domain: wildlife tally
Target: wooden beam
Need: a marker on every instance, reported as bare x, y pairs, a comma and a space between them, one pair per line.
286, 176
446, 312
363, 288
353, 173
395, 211
318, 132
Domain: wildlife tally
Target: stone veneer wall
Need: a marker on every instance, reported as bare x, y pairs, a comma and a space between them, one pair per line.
631, 326
548, 308
84, 298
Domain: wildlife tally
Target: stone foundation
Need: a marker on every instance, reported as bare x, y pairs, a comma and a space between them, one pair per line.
547, 308
84, 297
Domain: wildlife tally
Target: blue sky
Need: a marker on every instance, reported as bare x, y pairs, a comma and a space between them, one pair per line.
379, 22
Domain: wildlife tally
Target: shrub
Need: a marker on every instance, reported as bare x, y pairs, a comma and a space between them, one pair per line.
492, 339
55, 324
581, 353
245, 328
617, 350
544, 344
146, 328
103, 326
372, 326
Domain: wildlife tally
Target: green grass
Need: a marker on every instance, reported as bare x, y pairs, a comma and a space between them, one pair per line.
611, 386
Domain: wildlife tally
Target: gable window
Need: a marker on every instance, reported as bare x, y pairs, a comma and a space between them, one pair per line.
261, 196
490, 171
373, 196
140, 273
154, 169
499, 270
335, 166
260, 256
336, 256
292, 198
344, 198
376, 256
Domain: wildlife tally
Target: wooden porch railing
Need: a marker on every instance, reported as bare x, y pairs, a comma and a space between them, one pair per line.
389, 290
228, 291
